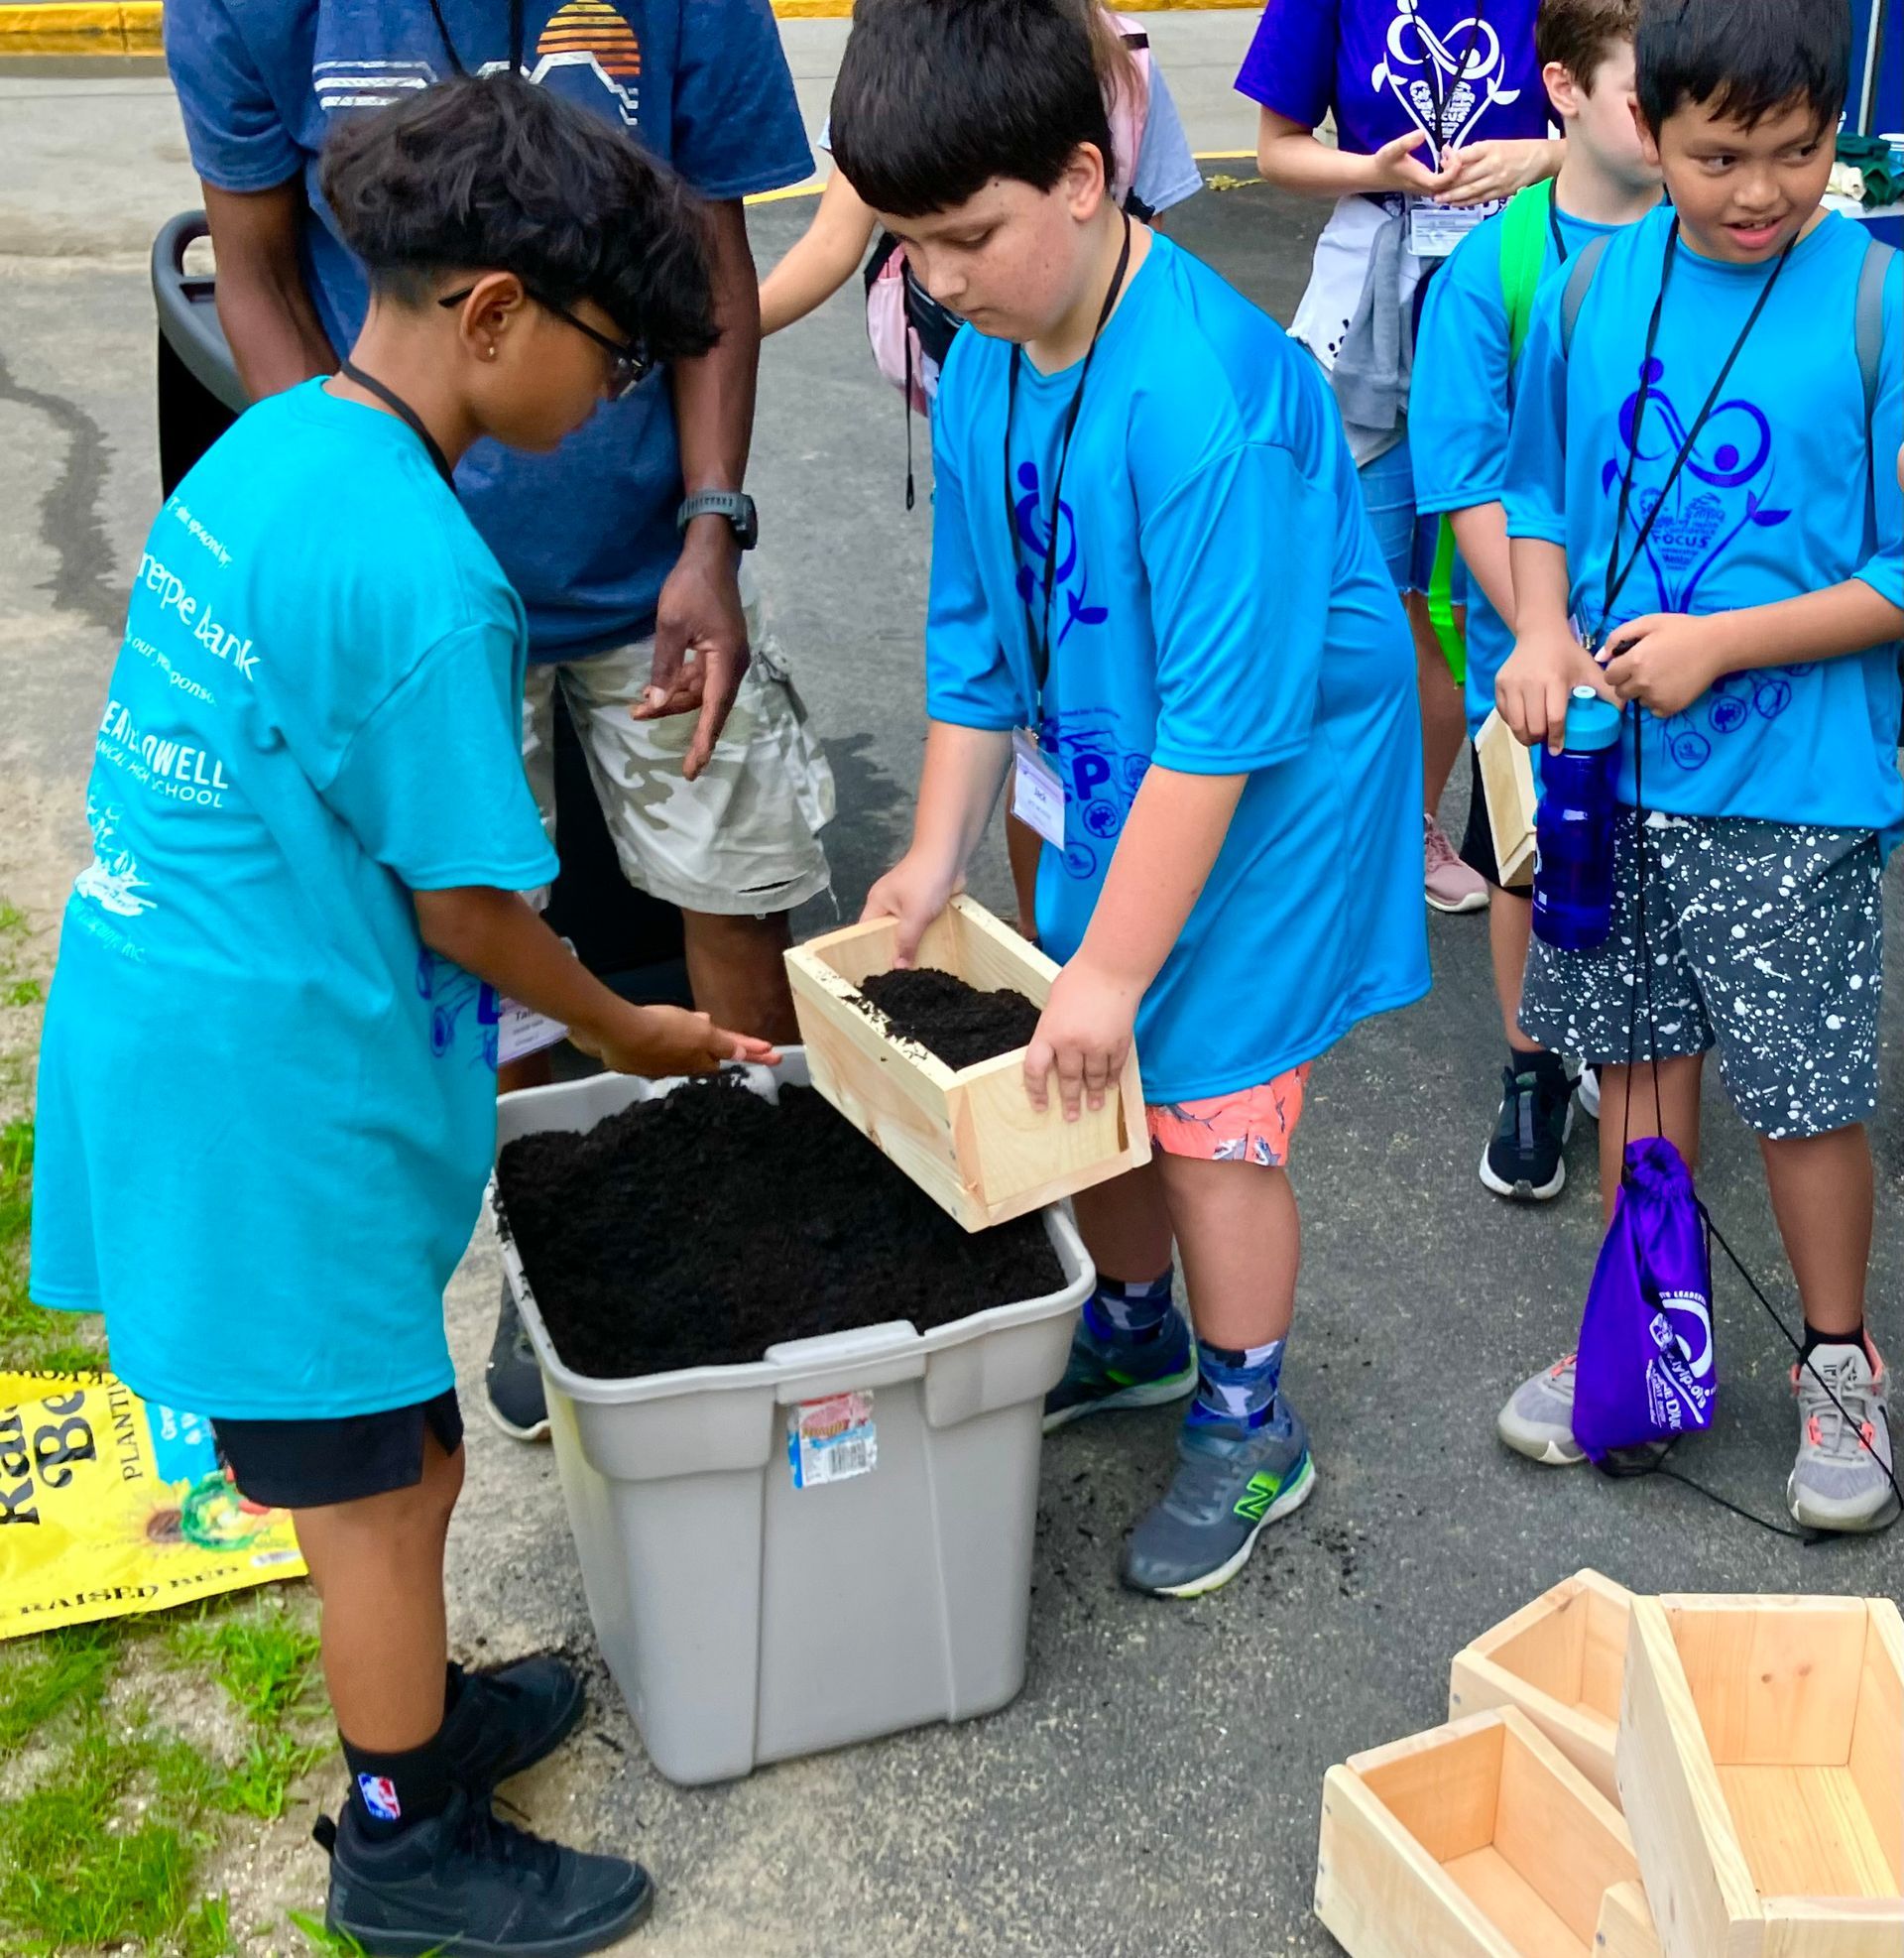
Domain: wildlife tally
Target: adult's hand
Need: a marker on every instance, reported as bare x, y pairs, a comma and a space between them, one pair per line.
700, 639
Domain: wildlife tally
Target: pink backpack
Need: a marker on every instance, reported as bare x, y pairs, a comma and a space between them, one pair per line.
911, 331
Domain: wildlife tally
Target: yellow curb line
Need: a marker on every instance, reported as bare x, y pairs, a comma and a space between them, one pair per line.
116, 27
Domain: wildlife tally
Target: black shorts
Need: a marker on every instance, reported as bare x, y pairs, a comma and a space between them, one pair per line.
308, 1464
1477, 839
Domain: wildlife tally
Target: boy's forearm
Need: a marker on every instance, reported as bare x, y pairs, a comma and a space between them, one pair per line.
498, 936
1481, 534
1162, 861
1846, 618
1541, 588
959, 784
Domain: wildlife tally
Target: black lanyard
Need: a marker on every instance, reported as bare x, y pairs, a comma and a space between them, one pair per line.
515, 37
1616, 573
1042, 638
1439, 90
1553, 227
399, 406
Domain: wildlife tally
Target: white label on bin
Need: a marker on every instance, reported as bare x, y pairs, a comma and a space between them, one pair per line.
831, 1441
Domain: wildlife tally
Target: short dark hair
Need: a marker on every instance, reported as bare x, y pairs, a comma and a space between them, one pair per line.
1579, 35
1744, 60
488, 173
936, 97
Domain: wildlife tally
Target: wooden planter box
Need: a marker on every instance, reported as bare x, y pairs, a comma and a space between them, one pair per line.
1560, 1660
1626, 1924
1479, 1839
1761, 1759
969, 1138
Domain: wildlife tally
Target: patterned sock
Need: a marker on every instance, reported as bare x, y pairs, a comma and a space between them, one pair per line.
1122, 1314
389, 1791
1236, 1388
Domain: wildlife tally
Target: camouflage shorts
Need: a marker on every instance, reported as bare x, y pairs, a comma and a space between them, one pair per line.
742, 840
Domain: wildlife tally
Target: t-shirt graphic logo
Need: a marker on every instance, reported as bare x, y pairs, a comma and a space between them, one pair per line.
111, 880
1100, 779
1721, 493
450, 992
380, 1797
1070, 607
1468, 62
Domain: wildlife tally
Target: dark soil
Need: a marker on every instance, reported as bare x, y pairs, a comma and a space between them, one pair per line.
702, 1229
950, 1019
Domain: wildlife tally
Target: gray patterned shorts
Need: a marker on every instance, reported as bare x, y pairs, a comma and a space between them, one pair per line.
1767, 942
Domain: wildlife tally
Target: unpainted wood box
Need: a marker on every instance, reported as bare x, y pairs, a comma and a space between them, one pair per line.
1762, 1764
1561, 1659
969, 1138
1626, 1927
1478, 1840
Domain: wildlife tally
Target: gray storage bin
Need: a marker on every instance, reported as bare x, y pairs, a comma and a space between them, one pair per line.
748, 1619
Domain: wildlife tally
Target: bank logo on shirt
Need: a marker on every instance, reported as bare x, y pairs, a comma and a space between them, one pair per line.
588, 39
1463, 69
1723, 493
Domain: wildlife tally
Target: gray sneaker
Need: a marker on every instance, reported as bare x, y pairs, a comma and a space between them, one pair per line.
513, 1385
1538, 1421
1843, 1478
1227, 1488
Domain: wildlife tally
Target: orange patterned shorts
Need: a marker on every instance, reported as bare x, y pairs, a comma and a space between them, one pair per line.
1254, 1125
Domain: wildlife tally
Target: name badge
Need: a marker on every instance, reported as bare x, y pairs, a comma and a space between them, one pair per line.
1434, 230
520, 1030
1037, 796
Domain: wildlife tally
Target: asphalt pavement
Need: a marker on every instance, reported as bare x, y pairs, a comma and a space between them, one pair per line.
1155, 1789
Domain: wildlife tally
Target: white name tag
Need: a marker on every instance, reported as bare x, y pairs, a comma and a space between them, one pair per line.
1434, 230
520, 1032
1037, 796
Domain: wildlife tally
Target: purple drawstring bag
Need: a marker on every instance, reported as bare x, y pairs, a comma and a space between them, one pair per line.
1646, 1371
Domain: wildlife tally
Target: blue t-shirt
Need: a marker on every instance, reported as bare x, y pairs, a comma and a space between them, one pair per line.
1382, 64
587, 534
1776, 501
266, 1111
1220, 607
1458, 412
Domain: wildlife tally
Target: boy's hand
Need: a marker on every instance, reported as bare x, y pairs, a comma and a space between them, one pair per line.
1084, 1038
1395, 166
912, 892
1537, 680
1665, 661
1482, 172
660, 1040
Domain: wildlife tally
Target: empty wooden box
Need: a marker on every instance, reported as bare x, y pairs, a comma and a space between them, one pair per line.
1479, 1839
1761, 1761
1626, 1924
969, 1138
1561, 1659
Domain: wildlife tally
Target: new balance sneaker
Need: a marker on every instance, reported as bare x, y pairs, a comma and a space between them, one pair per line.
1104, 1374
1230, 1484
513, 1382
1587, 1088
508, 1718
1524, 1158
1842, 1477
1538, 1420
467, 1886
1447, 883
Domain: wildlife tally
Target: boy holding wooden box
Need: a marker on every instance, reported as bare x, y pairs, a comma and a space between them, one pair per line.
1472, 326
1155, 589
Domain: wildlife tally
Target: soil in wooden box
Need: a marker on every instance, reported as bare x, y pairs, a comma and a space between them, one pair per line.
703, 1228
951, 1019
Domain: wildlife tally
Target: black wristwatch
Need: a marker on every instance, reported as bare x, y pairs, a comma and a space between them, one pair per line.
735, 505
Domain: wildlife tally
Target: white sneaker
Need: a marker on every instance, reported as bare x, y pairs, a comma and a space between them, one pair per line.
1586, 1087
1538, 1420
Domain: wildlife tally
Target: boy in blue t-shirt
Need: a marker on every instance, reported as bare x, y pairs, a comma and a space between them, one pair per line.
1153, 582
267, 1084
1477, 315
1697, 476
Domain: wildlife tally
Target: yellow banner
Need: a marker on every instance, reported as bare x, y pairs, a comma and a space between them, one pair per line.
110, 1506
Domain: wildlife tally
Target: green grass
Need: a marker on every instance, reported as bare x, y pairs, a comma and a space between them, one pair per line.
43, 1678
206, 1932
33, 1340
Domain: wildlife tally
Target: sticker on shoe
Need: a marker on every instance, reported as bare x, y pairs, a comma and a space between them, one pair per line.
380, 1797
832, 1441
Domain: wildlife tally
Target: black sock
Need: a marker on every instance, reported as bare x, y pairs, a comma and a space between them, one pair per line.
1815, 1338
391, 1791
1545, 1065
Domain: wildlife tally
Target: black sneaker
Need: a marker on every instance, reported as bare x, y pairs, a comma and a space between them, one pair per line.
1524, 1159
512, 1386
466, 1885
506, 1719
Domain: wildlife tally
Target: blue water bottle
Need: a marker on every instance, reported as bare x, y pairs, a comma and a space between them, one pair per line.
1573, 832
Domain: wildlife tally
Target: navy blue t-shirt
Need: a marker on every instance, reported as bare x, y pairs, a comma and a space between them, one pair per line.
586, 534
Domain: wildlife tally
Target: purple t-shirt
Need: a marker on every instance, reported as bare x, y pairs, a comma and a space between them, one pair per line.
1462, 71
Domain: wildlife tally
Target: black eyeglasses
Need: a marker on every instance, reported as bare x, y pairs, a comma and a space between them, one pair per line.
628, 363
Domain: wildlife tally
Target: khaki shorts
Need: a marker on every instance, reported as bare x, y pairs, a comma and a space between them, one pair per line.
744, 840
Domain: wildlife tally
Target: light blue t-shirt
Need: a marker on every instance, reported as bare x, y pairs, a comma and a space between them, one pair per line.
1220, 607
266, 1111
1458, 411
1776, 499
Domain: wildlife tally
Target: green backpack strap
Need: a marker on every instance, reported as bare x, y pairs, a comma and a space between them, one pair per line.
1523, 256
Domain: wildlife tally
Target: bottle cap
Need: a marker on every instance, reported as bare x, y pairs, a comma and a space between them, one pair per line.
1591, 723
